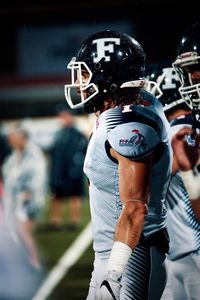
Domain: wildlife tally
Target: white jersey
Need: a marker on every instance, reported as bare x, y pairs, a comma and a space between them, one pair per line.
184, 229
134, 132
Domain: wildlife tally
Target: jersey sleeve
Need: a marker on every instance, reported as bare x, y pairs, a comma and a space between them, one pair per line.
133, 140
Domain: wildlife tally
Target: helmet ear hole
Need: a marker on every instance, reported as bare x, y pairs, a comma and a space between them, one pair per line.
113, 87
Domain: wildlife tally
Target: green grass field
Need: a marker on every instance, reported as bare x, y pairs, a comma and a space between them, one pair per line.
52, 245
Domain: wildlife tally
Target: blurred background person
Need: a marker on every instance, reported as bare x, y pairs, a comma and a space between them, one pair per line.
16, 280
24, 189
182, 218
66, 157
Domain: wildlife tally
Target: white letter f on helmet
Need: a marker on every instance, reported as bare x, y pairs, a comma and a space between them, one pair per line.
102, 48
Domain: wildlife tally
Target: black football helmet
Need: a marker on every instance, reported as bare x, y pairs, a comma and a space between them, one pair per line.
187, 61
163, 82
113, 61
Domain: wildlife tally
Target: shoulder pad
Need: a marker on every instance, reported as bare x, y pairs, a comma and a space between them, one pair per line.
133, 140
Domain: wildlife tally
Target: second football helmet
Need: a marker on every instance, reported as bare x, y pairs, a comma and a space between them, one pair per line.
163, 82
106, 62
188, 61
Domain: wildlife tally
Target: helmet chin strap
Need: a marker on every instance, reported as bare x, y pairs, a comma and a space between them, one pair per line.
94, 105
89, 107
97, 102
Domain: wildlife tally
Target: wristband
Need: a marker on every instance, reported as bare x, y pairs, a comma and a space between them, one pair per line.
192, 183
119, 257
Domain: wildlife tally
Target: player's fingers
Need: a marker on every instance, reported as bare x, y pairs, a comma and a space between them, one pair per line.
183, 132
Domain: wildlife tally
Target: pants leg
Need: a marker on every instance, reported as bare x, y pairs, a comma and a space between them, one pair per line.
158, 274
186, 278
192, 280
167, 293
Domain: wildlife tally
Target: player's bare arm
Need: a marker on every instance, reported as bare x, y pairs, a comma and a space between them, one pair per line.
134, 180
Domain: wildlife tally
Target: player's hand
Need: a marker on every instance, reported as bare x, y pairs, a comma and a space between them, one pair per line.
187, 156
110, 287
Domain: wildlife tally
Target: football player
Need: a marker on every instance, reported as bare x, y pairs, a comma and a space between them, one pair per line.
187, 66
183, 215
128, 164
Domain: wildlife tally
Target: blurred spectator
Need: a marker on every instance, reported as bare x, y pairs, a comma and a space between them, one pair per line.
24, 186
66, 170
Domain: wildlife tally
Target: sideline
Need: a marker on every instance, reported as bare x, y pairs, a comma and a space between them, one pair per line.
69, 258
